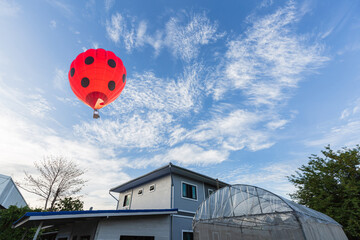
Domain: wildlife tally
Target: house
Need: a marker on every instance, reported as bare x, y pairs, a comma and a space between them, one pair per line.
158, 205
9, 193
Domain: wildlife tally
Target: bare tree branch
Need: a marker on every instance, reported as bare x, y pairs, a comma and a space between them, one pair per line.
58, 178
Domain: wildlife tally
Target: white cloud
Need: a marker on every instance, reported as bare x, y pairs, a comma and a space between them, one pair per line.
272, 177
277, 124
109, 4
267, 60
136, 131
347, 134
148, 92
38, 105
344, 133
95, 45
118, 29
182, 39
25, 138
9, 8
147, 110
351, 112
62, 7
185, 155
60, 79
234, 131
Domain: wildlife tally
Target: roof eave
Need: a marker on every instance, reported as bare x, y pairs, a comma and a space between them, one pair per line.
163, 171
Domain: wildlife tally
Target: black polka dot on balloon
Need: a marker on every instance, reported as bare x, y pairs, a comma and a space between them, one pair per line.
89, 60
72, 72
112, 63
85, 82
111, 85
124, 78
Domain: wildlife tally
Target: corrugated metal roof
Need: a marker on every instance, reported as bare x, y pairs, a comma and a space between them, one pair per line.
9, 193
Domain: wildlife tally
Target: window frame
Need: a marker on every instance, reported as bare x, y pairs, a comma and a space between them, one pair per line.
210, 189
153, 189
182, 233
126, 195
196, 190
142, 191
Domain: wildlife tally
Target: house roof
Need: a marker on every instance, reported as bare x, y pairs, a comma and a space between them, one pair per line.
163, 171
9, 193
64, 217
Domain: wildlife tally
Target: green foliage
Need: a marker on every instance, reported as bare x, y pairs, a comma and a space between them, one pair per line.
8, 217
331, 184
69, 204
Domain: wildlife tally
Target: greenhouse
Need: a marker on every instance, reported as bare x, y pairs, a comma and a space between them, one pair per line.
248, 212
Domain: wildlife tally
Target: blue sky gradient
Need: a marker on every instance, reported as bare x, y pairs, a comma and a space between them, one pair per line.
243, 91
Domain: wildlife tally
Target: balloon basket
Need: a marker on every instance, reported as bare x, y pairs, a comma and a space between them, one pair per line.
96, 114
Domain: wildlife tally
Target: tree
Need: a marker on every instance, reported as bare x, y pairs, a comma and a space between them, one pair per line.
58, 178
8, 217
69, 204
331, 184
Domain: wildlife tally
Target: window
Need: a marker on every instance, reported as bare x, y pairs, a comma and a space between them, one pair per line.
140, 192
152, 188
189, 191
136, 238
187, 235
210, 191
127, 200
86, 237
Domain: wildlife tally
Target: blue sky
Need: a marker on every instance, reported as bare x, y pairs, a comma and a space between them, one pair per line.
243, 91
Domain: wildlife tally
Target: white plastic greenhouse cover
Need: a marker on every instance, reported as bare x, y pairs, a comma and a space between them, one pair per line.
248, 212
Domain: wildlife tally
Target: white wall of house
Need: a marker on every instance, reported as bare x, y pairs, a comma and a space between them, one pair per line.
156, 226
159, 198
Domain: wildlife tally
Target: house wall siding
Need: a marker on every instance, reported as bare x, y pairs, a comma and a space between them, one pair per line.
185, 203
180, 223
158, 199
157, 226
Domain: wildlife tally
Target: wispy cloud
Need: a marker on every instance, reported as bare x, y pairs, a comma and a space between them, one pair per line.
272, 176
9, 8
146, 110
185, 39
262, 65
183, 35
109, 4
60, 79
22, 126
233, 131
268, 60
38, 105
344, 133
137, 131
62, 7
185, 155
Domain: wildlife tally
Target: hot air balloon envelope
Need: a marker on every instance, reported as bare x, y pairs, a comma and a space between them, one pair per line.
97, 77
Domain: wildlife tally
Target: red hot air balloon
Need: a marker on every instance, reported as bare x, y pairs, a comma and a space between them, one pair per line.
97, 78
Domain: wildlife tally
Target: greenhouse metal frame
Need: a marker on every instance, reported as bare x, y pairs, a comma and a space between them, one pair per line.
249, 212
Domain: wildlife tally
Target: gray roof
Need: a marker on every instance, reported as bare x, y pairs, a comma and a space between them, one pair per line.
66, 217
163, 171
9, 193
